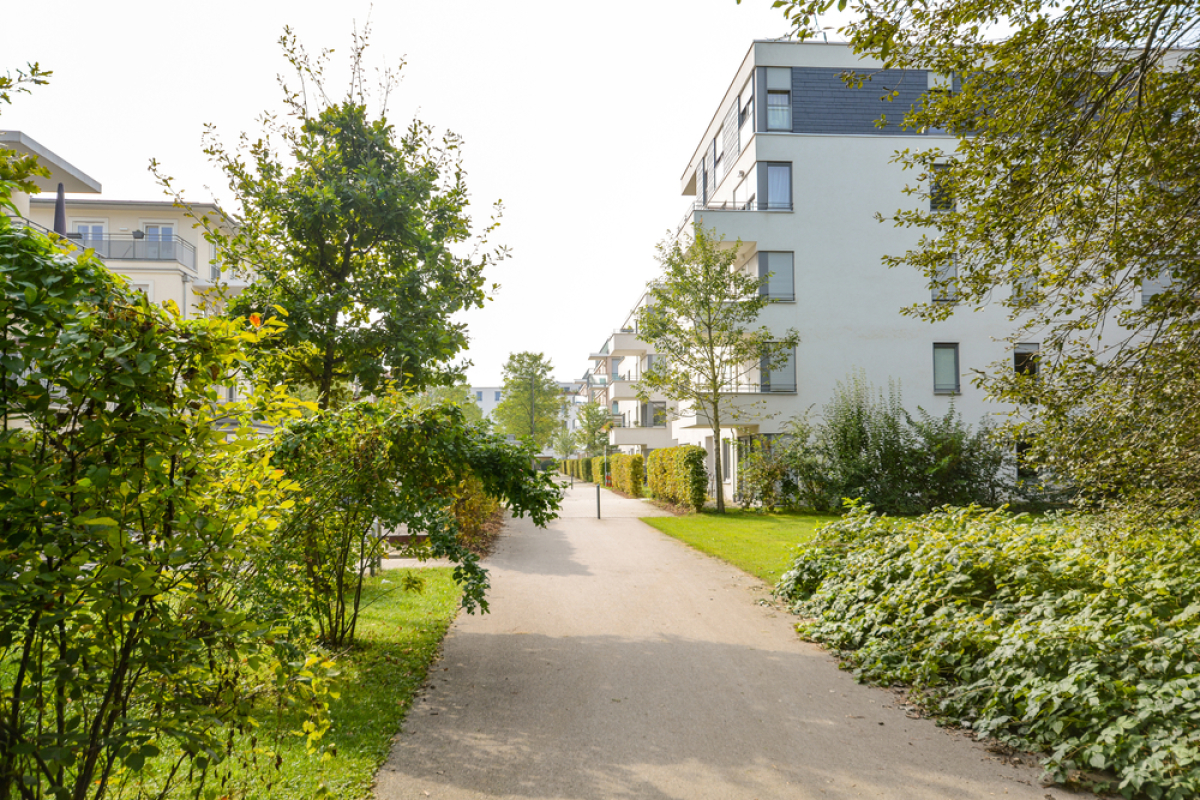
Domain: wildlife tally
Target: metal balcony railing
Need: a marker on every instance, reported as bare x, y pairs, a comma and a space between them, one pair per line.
728, 205
130, 247
75, 249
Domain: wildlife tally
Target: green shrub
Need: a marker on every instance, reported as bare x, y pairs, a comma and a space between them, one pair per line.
868, 447
628, 475
585, 469
1073, 636
598, 473
678, 475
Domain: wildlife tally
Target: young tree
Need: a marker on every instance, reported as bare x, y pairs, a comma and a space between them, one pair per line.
1081, 197
350, 229
594, 423
527, 380
564, 442
699, 317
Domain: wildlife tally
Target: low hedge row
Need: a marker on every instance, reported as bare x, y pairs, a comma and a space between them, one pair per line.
1075, 636
678, 475
628, 473
598, 472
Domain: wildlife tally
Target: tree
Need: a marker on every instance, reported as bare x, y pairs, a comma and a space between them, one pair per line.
594, 423
449, 395
527, 377
351, 233
698, 316
1072, 181
564, 442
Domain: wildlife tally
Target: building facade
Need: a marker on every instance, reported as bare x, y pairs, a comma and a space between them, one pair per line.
795, 166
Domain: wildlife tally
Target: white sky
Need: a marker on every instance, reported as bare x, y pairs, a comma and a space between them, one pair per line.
580, 116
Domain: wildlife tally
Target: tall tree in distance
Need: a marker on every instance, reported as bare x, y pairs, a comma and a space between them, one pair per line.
594, 423
529, 384
1073, 200
700, 316
350, 228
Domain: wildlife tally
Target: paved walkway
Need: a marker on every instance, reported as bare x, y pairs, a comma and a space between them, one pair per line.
619, 663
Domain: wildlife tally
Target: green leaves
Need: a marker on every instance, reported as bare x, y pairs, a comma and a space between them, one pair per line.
1074, 636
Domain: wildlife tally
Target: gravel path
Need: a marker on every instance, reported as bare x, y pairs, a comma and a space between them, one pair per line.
618, 663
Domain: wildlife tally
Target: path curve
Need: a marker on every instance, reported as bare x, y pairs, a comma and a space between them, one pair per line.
617, 662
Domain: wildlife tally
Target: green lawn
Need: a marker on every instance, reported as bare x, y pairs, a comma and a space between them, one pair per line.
398, 637
761, 544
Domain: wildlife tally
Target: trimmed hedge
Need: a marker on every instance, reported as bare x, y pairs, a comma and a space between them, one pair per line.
580, 468
678, 475
628, 473
598, 470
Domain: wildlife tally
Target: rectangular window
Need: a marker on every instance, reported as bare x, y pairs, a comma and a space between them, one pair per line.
777, 269
945, 284
779, 98
725, 473
1025, 358
90, 230
160, 242
778, 374
940, 196
479, 397
775, 186
497, 397
945, 368
746, 106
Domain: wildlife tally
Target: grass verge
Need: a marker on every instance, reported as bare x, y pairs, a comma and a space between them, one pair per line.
761, 544
398, 636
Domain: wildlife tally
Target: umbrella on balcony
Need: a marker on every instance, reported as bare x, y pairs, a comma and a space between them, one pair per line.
60, 212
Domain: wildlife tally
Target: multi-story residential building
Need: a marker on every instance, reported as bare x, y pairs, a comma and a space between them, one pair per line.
152, 243
795, 166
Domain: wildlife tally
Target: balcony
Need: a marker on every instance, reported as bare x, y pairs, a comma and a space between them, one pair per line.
74, 249
622, 389
134, 247
692, 214
653, 438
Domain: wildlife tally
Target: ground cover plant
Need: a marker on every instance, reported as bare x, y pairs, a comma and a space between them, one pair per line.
1074, 636
761, 544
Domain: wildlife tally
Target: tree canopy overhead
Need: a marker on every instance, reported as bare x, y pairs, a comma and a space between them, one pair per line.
1071, 197
354, 229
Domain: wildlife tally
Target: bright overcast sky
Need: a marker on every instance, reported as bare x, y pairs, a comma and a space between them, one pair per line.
580, 116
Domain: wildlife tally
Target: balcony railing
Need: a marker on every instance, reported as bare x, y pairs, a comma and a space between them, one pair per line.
75, 249
129, 247
729, 205
774, 387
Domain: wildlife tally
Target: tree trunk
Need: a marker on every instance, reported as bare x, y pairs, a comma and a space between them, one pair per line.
718, 476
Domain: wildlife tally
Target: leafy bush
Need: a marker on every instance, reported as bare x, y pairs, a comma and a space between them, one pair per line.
868, 447
598, 470
1073, 636
129, 520
628, 474
472, 507
678, 475
401, 465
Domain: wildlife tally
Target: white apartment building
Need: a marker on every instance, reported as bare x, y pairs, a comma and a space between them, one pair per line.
794, 165
152, 243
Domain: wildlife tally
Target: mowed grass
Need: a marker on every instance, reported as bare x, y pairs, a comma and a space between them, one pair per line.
399, 633
761, 544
